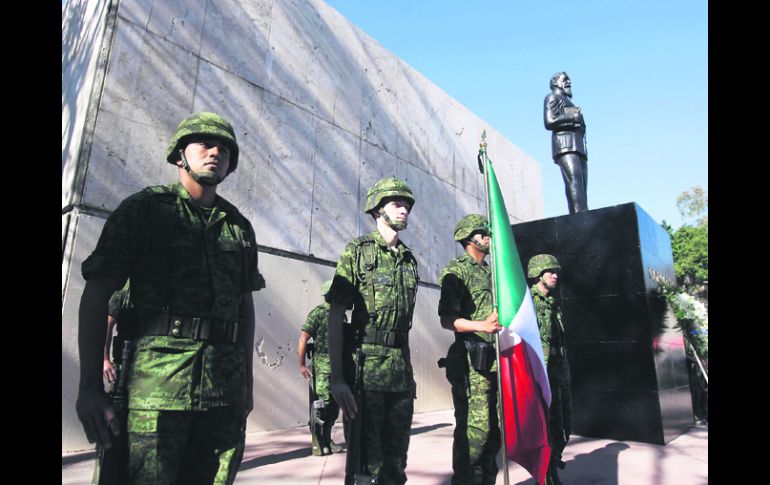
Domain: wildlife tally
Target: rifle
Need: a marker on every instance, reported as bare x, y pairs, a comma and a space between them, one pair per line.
355, 471
112, 464
316, 409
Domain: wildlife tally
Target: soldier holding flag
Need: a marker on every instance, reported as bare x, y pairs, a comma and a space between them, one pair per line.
471, 368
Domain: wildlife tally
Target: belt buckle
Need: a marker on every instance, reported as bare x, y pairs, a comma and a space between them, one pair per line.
195, 330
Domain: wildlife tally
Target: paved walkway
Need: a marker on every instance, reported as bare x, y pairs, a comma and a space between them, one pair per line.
283, 458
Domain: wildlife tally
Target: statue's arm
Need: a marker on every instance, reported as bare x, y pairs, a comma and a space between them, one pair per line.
555, 117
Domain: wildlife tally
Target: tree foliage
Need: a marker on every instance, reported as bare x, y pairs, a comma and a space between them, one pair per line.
689, 243
694, 203
691, 255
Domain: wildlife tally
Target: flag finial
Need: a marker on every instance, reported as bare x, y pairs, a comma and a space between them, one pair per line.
482, 150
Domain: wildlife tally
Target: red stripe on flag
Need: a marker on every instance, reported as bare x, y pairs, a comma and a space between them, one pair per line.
526, 433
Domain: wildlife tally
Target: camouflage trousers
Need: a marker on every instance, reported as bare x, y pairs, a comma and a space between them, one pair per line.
386, 426
185, 447
331, 410
560, 413
477, 439
322, 379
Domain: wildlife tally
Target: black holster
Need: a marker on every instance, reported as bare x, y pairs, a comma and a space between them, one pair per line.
482, 354
455, 364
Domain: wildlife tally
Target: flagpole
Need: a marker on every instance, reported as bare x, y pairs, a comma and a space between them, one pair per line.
483, 159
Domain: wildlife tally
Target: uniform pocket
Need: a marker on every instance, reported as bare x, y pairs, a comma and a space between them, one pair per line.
185, 256
161, 373
384, 294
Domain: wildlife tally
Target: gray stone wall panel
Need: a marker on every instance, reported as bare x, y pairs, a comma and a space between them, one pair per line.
429, 342
177, 21
149, 79
83, 28
126, 156
380, 96
280, 393
284, 186
335, 191
236, 38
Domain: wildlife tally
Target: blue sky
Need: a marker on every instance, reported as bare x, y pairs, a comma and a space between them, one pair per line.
639, 73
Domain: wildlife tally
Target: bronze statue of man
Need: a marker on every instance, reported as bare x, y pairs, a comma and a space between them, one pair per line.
568, 141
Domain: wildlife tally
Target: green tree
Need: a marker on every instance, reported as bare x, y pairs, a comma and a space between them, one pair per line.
691, 253
694, 203
689, 243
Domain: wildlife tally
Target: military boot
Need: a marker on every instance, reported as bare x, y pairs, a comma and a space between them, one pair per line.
327, 438
337, 447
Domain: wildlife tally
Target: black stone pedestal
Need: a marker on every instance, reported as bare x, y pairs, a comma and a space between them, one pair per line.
627, 360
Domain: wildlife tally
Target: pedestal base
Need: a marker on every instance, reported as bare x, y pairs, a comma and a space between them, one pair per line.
626, 354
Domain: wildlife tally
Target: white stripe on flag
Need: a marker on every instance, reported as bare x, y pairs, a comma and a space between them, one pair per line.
524, 327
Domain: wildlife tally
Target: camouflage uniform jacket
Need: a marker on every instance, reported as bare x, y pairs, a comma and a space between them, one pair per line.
466, 291
549, 321
190, 262
316, 327
367, 271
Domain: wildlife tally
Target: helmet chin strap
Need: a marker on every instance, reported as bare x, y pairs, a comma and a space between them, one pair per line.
481, 247
206, 179
397, 225
542, 279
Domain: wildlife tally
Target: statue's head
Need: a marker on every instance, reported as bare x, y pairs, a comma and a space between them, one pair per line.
562, 81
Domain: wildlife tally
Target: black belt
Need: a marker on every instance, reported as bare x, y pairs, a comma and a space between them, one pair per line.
471, 337
385, 337
207, 329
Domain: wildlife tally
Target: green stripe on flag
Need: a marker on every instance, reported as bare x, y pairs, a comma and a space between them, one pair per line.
510, 283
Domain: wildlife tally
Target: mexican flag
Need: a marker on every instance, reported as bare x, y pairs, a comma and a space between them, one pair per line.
525, 392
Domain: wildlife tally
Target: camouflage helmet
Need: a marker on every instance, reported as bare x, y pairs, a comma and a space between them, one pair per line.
541, 262
470, 224
387, 187
325, 287
204, 124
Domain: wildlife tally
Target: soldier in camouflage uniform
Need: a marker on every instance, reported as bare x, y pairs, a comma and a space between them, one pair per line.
192, 261
377, 277
316, 327
545, 269
471, 367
